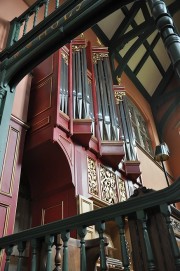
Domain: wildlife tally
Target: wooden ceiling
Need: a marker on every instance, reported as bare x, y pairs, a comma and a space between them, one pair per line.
135, 44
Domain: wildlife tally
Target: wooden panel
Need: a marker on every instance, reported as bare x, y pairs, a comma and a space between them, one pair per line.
41, 98
52, 213
4, 215
9, 182
86, 205
7, 178
43, 70
112, 152
82, 131
65, 144
40, 124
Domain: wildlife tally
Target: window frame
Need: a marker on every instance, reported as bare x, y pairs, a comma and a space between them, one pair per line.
140, 127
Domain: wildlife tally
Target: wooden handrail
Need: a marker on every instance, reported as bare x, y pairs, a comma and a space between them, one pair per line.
167, 195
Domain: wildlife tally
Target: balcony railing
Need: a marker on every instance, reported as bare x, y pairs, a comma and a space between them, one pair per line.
139, 207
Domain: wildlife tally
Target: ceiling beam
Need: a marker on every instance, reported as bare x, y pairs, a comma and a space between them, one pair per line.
146, 55
125, 23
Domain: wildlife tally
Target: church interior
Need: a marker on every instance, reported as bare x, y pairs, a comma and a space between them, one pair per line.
89, 135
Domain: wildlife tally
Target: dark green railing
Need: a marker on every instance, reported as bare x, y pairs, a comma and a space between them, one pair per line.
50, 233
35, 14
29, 19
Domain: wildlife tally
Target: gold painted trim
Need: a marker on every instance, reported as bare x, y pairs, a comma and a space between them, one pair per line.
6, 218
43, 211
14, 162
5, 229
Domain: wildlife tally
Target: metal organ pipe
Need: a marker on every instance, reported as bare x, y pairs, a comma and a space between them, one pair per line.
109, 125
64, 84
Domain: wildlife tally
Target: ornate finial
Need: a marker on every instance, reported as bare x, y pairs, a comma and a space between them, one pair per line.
118, 80
99, 42
82, 36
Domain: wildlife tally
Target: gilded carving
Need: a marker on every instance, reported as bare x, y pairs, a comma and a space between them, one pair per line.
99, 56
108, 186
176, 226
119, 96
65, 57
92, 177
122, 190
99, 42
77, 48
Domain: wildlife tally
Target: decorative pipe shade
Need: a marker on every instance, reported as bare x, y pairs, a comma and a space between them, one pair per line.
161, 152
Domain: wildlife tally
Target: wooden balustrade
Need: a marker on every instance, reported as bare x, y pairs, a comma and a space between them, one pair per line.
139, 209
23, 24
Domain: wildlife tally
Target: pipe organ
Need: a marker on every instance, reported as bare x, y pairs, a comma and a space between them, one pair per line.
80, 133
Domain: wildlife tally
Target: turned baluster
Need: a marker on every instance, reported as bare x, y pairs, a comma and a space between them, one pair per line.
56, 4
82, 233
49, 242
100, 227
35, 249
65, 237
35, 16
25, 24
123, 243
8, 251
46, 8
57, 259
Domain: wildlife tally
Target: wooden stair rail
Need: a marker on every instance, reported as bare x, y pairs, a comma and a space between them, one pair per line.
167, 195
138, 206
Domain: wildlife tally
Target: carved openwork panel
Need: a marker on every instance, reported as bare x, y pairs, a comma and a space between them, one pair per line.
121, 190
104, 183
176, 226
92, 177
108, 185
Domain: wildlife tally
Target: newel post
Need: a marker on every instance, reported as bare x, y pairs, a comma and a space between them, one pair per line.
175, 249
164, 23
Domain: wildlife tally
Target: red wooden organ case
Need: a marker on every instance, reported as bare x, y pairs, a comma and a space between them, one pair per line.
75, 143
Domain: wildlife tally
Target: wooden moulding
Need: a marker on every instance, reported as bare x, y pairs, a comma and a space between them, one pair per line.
93, 145
132, 169
112, 152
82, 131
63, 121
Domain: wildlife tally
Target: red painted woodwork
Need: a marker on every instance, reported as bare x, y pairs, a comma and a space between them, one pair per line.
57, 145
112, 152
94, 145
132, 169
82, 131
10, 177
